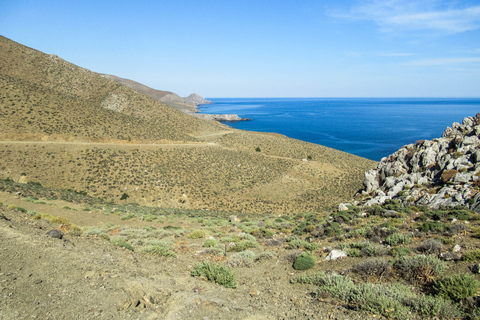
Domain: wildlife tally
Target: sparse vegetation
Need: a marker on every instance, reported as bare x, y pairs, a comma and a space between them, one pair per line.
215, 272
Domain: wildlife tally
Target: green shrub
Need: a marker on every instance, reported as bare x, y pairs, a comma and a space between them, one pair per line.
398, 238
304, 262
241, 259
128, 216
125, 244
460, 214
197, 234
124, 196
353, 252
456, 287
430, 246
333, 229
210, 243
266, 255
419, 268
472, 255
400, 252
244, 245
373, 268
391, 301
215, 272
309, 278
372, 250
432, 227
164, 249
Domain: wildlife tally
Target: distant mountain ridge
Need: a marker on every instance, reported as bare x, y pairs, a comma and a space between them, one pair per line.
188, 104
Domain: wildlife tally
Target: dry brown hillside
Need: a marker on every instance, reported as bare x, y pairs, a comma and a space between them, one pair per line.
66, 127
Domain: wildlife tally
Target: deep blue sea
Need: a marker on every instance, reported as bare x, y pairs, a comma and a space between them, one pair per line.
368, 127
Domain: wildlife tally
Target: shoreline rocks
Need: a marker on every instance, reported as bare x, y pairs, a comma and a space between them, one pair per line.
220, 117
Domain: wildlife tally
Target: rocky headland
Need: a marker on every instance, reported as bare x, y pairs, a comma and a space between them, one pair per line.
438, 172
188, 104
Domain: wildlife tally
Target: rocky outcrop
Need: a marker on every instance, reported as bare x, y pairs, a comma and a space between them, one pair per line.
197, 99
438, 172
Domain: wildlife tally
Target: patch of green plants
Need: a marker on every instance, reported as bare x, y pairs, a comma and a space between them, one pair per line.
215, 272
304, 262
432, 226
299, 243
309, 278
419, 268
210, 243
373, 267
400, 252
394, 301
266, 255
472, 255
125, 244
244, 245
456, 287
197, 234
398, 238
241, 259
159, 248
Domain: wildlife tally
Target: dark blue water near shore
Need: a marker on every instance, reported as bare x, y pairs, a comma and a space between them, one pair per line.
370, 128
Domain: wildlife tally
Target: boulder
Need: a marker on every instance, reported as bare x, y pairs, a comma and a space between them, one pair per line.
336, 254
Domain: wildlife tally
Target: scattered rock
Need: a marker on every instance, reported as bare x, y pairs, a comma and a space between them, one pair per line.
234, 218
450, 256
475, 268
336, 254
55, 234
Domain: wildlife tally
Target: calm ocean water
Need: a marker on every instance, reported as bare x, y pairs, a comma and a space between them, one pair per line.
370, 128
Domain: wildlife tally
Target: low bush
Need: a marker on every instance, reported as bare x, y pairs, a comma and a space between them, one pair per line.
309, 278
215, 272
419, 268
304, 262
241, 259
391, 301
159, 248
210, 243
373, 250
374, 267
430, 246
266, 255
398, 238
472, 255
432, 227
400, 252
125, 244
456, 287
244, 245
197, 234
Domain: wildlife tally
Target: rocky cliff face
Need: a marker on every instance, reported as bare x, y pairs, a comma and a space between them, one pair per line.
438, 172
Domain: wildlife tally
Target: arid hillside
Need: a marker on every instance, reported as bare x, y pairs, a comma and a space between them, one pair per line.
67, 127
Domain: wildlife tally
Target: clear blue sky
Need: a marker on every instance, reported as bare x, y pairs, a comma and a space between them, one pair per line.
255, 48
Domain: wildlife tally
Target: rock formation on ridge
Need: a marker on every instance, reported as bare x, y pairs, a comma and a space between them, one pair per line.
438, 172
